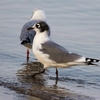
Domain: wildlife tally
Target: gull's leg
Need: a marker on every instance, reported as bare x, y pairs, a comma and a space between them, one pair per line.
38, 73
56, 76
27, 55
56, 73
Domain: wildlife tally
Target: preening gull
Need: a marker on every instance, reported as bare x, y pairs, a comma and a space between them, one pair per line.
27, 36
51, 54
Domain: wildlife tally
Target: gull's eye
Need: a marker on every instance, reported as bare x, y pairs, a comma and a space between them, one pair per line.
37, 25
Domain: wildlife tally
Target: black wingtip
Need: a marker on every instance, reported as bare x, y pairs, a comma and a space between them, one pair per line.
90, 61
27, 40
24, 42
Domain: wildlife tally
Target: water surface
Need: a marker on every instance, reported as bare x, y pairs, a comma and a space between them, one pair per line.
74, 25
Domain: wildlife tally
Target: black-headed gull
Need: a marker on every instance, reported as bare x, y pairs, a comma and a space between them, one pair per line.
27, 36
51, 54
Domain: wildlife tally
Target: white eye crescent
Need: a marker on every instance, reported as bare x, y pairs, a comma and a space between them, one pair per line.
37, 25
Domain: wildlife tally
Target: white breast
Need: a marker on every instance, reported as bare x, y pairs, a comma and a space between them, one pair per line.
43, 58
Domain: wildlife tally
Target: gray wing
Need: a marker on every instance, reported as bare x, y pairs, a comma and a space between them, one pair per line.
28, 33
27, 36
58, 53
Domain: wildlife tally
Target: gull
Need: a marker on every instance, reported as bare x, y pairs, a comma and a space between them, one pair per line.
27, 36
51, 54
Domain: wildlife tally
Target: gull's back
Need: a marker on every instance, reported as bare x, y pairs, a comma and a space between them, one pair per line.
27, 36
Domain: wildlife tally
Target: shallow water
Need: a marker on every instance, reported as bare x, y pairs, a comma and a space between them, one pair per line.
75, 25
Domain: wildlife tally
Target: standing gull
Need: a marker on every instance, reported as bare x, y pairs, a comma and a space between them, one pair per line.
51, 54
27, 36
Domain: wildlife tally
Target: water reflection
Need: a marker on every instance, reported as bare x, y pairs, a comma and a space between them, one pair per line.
25, 75
37, 86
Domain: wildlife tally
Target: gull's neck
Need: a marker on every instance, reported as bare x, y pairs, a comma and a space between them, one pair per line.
41, 38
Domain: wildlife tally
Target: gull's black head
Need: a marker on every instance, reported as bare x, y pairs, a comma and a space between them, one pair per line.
40, 26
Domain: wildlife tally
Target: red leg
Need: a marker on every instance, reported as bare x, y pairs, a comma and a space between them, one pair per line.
27, 55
